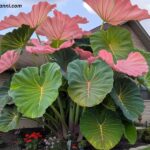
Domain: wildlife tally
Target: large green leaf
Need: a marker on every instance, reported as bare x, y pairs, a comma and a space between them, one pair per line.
102, 130
130, 132
117, 40
127, 97
16, 39
89, 84
34, 90
9, 119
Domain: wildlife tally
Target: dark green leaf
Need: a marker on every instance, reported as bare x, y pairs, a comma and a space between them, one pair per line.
147, 80
9, 119
16, 40
109, 103
127, 97
4, 97
64, 57
130, 132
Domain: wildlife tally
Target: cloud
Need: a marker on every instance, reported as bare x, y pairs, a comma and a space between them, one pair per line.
88, 8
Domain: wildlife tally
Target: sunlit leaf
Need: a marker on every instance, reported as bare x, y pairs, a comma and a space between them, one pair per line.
117, 40
33, 90
89, 84
102, 130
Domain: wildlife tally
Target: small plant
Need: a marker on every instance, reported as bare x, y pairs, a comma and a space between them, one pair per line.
146, 135
52, 143
31, 141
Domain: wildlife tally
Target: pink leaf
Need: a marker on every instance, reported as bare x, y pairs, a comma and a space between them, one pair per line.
135, 65
116, 12
62, 27
8, 59
107, 57
33, 19
83, 53
45, 48
92, 59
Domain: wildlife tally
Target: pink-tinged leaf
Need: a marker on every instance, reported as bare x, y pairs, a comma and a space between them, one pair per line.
45, 48
62, 27
135, 65
107, 57
92, 59
8, 59
116, 12
83, 53
66, 44
33, 19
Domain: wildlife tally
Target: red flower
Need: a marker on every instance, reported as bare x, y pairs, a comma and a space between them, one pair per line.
35, 135
28, 141
26, 135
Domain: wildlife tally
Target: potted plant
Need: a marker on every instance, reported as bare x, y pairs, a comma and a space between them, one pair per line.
88, 87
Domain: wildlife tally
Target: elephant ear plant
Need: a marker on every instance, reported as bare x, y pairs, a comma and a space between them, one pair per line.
88, 87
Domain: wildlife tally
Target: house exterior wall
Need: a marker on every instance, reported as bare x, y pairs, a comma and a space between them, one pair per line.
136, 41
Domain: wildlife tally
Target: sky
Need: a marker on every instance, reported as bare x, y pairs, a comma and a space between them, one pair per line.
71, 7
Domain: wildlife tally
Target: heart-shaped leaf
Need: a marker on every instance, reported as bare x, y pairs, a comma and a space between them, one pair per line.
16, 39
117, 40
34, 90
127, 97
130, 132
9, 119
102, 130
89, 84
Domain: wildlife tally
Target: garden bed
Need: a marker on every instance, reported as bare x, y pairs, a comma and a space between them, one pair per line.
11, 141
